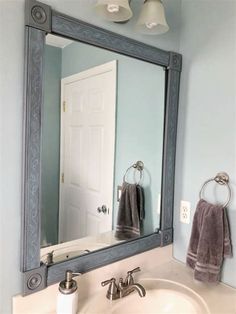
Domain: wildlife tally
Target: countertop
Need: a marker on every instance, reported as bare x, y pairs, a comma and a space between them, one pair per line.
156, 263
220, 299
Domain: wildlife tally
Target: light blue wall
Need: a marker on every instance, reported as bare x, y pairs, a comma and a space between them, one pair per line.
207, 115
140, 114
11, 100
11, 117
51, 146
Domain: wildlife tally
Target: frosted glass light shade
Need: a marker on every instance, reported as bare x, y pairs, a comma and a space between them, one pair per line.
152, 20
114, 10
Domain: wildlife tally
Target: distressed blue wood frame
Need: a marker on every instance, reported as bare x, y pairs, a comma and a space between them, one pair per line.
40, 20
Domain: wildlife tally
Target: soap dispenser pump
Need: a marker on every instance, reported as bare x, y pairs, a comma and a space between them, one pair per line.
67, 299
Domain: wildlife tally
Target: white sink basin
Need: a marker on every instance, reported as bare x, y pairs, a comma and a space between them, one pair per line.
62, 252
162, 297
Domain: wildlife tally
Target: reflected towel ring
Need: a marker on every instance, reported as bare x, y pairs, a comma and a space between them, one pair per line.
139, 165
221, 178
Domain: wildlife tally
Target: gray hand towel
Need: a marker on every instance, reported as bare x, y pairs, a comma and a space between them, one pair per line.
209, 242
130, 212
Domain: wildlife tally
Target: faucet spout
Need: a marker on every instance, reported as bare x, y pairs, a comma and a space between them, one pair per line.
135, 287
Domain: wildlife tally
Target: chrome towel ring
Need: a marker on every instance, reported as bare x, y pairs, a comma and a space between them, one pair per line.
139, 165
221, 178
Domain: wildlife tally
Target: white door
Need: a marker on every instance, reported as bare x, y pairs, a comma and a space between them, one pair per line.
87, 152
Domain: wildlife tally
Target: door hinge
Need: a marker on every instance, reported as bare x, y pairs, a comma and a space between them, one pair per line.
62, 178
64, 106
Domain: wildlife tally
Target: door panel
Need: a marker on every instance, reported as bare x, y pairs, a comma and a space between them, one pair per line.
95, 157
87, 144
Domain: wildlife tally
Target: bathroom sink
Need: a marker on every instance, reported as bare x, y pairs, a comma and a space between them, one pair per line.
63, 252
162, 297
68, 255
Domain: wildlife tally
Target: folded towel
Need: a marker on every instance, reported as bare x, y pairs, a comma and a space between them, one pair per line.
209, 242
130, 212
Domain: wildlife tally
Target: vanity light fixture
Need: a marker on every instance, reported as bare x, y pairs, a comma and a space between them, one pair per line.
114, 10
152, 20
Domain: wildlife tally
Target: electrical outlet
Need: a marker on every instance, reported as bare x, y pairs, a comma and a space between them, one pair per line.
185, 212
119, 190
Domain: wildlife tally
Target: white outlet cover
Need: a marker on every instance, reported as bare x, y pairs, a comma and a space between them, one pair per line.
185, 209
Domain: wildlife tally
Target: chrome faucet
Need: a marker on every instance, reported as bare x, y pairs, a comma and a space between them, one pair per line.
123, 288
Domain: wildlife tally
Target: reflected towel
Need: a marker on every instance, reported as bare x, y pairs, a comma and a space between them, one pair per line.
130, 212
209, 242
140, 200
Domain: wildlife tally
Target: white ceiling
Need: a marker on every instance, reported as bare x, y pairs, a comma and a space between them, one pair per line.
57, 41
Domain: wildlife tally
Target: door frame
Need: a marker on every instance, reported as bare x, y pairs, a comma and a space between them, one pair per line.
110, 66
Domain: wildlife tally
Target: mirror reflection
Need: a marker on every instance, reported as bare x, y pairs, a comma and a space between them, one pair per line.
102, 138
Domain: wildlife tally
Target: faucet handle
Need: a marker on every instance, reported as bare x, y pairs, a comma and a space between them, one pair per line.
106, 282
129, 280
135, 270
112, 289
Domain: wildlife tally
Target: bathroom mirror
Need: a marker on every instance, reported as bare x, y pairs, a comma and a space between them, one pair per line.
95, 81
102, 111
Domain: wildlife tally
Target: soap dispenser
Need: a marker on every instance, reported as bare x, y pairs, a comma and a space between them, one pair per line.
67, 298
